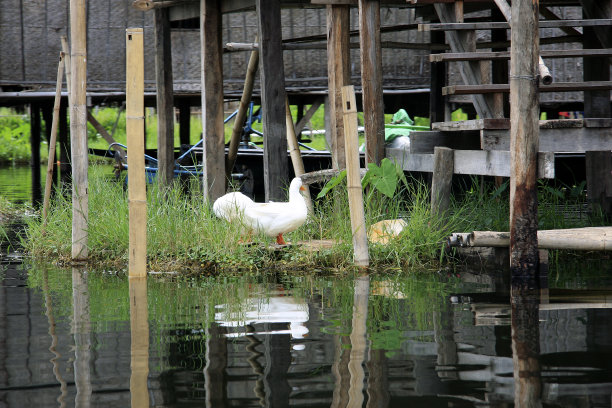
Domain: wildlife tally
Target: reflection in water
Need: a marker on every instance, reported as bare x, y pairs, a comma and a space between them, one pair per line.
53, 347
358, 341
81, 328
139, 333
526, 347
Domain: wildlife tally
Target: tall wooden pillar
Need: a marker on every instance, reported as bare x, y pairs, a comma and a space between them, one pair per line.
78, 128
47, 113
437, 71
524, 143
165, 96
184, 122
35, 129
212, 99
339, 75
371, 80
272, 74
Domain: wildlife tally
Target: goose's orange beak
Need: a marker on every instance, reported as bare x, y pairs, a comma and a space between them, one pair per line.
302, 188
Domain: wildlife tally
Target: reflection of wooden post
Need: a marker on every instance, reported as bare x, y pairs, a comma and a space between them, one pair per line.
358, 340
137, 192
139, 332
524, 134
353, 178
81, 328
340, 371
78, 128
53, 346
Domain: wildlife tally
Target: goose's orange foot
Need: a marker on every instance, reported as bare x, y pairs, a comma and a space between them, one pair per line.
280, 240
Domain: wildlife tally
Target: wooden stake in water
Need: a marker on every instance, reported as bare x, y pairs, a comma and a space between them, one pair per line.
53, 138
137, 193
78, 128
361, 256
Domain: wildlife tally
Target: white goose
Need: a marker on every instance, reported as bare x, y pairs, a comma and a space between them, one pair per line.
272, 219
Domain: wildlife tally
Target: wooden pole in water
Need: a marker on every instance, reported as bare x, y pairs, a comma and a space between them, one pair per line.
137, 192
53, 137
441, 180
294, 151
361, 256
245, 100
78, 128
524, 135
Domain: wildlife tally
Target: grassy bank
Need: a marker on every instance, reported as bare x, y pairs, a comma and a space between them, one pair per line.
184, 235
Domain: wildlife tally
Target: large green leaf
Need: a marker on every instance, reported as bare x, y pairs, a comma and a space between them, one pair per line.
332, 183
383, 178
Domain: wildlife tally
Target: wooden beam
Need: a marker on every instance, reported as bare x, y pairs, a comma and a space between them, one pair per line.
371, 80
554, 140
470, 71
505, 55
106, 136
475, 162
524, 133
212, 99
599, 181
338, 75
272, 79
437, 74
554, 87
426, 141
78, 128
165, 97
474, 124
494, 25
299, 126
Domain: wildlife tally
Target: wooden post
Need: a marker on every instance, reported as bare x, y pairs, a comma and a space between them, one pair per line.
165, 97
35, 129
78, 128
524, 134
441, 180
53, 136
64, 143
212, 99
599, 181
361, 256
294, 151
272, 80
137, 191
139, 333
338, 75
437, 72
184, 123
245, 100
371, 80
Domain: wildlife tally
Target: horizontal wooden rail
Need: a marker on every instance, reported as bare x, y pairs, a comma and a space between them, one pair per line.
505, 55
505, 88
496, 25
503, 124
476, 162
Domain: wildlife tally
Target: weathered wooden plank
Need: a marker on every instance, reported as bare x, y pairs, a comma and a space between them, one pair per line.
164, 97
554, 87
554, 140
475, 124
495, 25
371, 80
505, 55
339, 75
599, 180
272, 79
212, 99
426, 141
476, 162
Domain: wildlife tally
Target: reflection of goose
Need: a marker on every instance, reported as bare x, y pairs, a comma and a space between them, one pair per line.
272, 219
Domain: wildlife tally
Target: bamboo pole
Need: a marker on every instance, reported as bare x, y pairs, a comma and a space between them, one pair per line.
245, 99
294, 151
137, 193
355, 192
78, 128
66, 51
53, 137
524, 135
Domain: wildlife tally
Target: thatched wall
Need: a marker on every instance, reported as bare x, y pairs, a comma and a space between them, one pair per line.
30, 31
